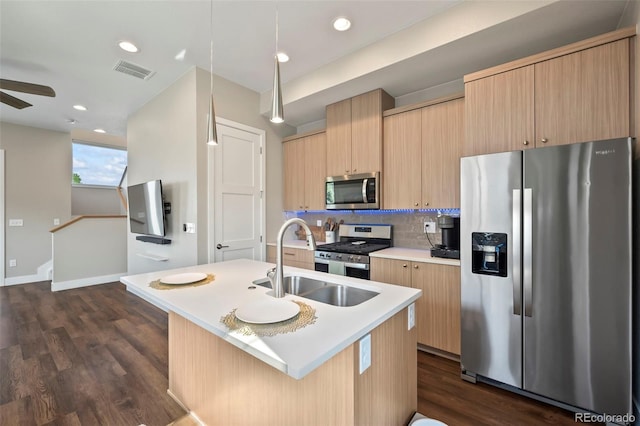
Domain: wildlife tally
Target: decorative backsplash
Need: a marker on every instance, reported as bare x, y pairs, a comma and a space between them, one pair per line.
408, 225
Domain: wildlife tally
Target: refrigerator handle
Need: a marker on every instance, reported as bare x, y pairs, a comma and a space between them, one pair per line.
527, 251
515, 250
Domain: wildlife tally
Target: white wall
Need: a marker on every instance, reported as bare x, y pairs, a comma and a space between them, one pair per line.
88, 200
166, 140
38, 189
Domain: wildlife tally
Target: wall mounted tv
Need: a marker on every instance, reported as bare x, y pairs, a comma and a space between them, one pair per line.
147, 211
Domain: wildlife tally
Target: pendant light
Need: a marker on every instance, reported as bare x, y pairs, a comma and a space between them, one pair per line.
277, 112
212, 132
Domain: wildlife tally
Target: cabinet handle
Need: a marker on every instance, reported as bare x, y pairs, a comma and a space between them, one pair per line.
346, 171
525, 142
426, 204
355, 170
289, 254
404, 265
544, 140
415, 266
416, 204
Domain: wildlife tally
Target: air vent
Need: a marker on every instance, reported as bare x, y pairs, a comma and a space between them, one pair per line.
133, 70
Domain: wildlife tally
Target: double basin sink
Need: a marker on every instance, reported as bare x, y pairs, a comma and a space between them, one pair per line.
322, 291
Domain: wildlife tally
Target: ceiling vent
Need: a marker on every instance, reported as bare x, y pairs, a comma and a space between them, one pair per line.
133, 70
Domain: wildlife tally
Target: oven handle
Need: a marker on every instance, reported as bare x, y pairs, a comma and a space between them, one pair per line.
364, 266
324, 262
364, 190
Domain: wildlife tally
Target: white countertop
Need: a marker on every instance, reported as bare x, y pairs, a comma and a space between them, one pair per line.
296, 354
413, 255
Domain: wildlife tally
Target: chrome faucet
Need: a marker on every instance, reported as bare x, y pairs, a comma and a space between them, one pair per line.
278, 283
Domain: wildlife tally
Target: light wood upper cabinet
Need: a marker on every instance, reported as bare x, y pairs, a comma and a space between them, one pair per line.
499, 113
354, 133
438, 309
305, 172
339, 138
576, 93
442, 137
402, 153
583, 96
421, 155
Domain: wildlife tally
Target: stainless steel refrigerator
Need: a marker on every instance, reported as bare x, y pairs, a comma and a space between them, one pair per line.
546, 258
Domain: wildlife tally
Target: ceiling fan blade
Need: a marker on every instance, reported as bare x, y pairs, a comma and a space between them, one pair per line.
31, 88
12, 101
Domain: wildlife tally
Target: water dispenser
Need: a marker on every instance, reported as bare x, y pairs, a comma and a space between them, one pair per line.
489, 253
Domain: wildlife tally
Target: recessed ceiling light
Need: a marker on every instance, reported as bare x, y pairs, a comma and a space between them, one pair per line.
282, 57
127, 46
99, 130
71, 121
80, 107
341, 24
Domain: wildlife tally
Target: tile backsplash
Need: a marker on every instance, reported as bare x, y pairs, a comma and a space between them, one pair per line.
407, 225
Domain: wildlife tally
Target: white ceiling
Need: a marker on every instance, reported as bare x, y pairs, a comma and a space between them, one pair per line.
401, 46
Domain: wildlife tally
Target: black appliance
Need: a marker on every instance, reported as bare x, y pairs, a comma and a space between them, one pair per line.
350, 255
450, 247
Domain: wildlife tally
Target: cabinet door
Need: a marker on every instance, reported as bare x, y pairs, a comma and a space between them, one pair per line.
583, 96
438, 310
315, 160
391, 271
499, 112
294, 174
401, 184
339, 138
442, 137
366, 132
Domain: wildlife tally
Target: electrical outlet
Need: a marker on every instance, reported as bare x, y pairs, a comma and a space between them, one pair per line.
12, 263
319, 223
411, 316
15, 222
56, 221
429, 227
365, 353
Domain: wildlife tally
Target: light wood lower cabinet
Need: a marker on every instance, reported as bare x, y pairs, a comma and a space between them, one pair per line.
438, 309
300, 258
224, 385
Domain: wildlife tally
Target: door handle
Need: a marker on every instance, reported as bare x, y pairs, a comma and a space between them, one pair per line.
220, 246
516, 242
364, 190
527, 251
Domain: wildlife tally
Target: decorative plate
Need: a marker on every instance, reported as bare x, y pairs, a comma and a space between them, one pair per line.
186, 278
267, 310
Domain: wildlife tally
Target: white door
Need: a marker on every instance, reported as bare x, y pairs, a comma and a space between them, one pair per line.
237, 210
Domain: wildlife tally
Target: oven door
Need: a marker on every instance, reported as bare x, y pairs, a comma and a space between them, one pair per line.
357, 270
330, 266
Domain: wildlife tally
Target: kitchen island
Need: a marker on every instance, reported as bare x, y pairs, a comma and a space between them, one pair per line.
310, 376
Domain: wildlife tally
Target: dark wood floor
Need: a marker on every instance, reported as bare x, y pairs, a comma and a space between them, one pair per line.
98, 356
90, 356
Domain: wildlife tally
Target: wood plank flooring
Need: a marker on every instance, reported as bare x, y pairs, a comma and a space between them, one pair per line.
89, 356
98, 356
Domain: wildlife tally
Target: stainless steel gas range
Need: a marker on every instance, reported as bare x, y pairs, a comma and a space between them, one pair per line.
350, 255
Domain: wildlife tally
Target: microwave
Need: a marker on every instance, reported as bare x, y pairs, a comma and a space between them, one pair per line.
353, 192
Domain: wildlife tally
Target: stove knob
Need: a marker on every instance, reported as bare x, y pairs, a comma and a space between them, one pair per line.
350, 258
321, 255
358, 259
338, 256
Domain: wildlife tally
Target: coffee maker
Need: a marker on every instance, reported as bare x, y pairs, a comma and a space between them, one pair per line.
450, 247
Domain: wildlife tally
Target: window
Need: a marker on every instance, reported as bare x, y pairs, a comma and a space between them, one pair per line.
96, 165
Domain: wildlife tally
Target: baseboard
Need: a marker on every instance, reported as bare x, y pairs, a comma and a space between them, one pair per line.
85, 282
23, 279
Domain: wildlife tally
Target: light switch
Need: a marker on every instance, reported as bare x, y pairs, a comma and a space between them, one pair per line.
15, 222
56, 221
365, 353
12, 263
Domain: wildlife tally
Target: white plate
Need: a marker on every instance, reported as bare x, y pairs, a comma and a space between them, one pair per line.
267, 310
186, 278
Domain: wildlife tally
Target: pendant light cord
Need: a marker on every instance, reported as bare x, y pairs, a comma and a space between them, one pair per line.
211, 50
277, 31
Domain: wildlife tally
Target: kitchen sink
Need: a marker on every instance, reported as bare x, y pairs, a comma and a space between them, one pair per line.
322, 291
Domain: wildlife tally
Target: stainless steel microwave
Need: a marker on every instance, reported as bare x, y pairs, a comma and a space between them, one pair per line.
353, 192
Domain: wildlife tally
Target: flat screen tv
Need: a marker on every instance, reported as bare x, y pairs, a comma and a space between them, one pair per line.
146, 209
